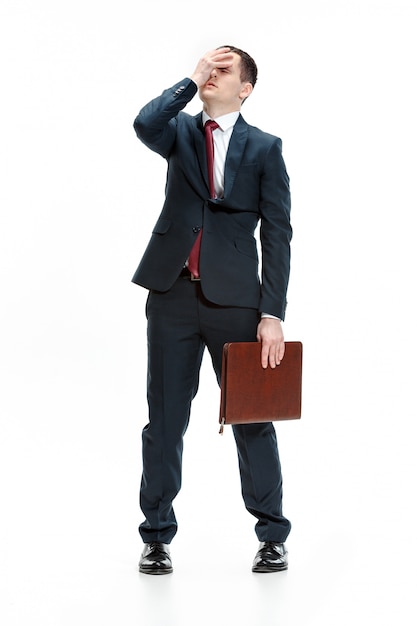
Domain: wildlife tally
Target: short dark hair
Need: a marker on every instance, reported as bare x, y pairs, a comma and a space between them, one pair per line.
248, 69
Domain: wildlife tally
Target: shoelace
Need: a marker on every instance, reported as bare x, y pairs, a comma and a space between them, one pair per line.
157, 546
270, 549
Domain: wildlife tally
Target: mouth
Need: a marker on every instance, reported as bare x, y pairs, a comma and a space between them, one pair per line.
210, 84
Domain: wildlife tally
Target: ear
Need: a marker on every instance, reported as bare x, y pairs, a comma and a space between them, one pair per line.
246, 91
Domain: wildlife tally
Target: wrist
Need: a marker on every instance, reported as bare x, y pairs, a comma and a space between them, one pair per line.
197, 79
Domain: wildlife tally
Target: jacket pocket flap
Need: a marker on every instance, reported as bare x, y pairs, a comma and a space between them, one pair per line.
161, 226
247, 246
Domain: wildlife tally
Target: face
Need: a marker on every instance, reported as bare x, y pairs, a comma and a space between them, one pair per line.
224, 87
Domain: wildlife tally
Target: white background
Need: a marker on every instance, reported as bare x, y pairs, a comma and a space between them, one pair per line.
78, 197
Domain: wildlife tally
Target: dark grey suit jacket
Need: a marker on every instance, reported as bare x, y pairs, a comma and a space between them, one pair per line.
256, 187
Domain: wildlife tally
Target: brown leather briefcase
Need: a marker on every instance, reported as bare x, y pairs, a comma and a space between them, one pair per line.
250, 393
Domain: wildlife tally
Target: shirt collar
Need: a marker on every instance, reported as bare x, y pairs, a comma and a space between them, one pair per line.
224, 121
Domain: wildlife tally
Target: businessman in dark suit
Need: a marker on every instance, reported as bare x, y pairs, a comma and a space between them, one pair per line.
222, 299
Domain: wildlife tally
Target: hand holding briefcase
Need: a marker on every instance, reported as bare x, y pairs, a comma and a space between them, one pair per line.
250, 393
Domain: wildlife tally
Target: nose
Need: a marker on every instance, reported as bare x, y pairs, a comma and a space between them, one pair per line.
214, 72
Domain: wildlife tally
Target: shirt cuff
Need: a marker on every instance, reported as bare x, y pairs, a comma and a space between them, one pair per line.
270, 316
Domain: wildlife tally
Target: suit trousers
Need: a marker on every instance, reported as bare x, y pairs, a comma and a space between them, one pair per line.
181, 324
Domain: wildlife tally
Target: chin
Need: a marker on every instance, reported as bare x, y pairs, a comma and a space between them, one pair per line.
207, 93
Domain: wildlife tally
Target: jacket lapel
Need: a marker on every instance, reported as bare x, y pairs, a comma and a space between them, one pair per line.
235, 154
200, 149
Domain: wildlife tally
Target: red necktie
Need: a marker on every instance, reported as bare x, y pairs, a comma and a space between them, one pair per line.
193, 259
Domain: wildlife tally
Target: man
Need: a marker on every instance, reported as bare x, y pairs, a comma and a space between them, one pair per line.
209, 296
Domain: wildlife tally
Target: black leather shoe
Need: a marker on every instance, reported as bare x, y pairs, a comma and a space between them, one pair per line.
155, 559
271, 557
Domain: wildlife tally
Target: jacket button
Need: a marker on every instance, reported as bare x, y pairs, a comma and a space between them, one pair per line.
196, 229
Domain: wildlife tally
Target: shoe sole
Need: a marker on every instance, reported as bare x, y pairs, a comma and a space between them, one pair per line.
156, 572
269, 570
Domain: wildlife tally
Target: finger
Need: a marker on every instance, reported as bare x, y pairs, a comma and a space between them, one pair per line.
222, 50
213, 55
222, 57
279, 353
272, 357
264, 355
